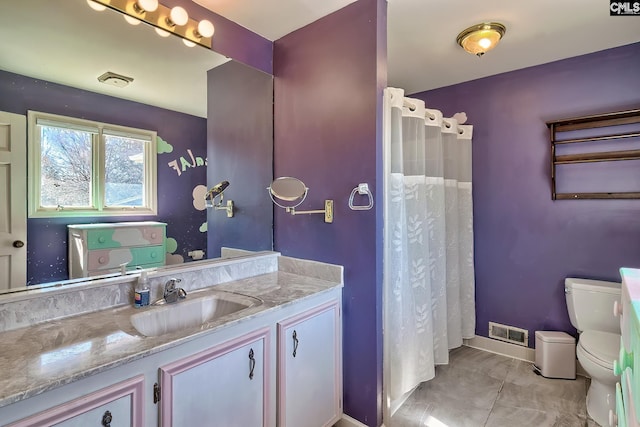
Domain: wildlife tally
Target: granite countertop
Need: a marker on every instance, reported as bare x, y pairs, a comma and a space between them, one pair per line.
42, 357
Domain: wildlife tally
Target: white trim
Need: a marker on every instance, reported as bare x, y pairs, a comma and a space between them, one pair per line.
387, 102
347, 421
503, 348
511, 350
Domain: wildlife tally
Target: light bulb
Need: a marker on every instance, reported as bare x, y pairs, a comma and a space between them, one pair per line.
205, 29
131, 20
162, 33
188, 43
178, 16
484, 43
146, 5
96, 6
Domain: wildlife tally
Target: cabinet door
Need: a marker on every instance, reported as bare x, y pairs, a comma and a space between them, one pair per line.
120, 405
225, 386
310, 368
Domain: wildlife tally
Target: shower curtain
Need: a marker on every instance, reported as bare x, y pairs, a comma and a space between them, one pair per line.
429, 296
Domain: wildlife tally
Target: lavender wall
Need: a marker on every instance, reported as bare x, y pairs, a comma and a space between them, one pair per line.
328, 89
232, 40
47, 238
525, 243
240, 147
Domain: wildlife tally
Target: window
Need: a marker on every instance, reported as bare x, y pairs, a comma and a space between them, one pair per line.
84, 168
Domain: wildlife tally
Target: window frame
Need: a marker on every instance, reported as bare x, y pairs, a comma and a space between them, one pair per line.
35, 210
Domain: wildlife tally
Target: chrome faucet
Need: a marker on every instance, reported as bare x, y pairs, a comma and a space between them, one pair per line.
171, 293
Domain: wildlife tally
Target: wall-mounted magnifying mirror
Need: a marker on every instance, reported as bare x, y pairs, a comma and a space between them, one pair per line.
291, 192
216, 192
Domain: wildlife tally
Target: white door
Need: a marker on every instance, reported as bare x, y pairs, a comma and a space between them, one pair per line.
13, 201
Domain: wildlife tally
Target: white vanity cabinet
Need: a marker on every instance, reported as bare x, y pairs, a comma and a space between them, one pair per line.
242, 374
224, 386
310, 368
119, 405
628, 388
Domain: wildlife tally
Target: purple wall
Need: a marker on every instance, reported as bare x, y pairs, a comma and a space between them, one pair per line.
525, 243
46, 238
240, 147
328, 90
232, 40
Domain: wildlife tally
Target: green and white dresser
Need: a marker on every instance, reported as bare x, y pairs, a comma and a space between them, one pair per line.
96, 249
628, 363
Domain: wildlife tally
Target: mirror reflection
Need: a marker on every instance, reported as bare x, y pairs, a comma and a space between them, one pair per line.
58, 51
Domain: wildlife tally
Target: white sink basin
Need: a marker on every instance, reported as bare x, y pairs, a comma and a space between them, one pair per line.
190, 312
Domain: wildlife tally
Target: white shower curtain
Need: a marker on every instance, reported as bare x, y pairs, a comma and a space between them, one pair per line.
429, 289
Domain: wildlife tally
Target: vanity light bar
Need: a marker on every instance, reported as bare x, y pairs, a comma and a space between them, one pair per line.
159, 18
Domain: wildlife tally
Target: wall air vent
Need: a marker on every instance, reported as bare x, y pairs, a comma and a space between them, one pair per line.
113, 79
509, 334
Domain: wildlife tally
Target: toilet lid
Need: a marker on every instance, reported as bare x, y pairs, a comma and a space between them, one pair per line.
604, 346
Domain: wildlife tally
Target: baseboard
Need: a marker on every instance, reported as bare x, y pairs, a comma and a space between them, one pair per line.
511, 350
347, 421
503, 348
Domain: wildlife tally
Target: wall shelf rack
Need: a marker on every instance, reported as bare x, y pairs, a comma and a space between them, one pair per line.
616, 126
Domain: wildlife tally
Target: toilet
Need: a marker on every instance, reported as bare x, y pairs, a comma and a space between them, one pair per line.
590, 307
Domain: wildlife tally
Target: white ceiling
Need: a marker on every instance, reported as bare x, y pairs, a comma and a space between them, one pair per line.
67, 42
422, 49
276, 18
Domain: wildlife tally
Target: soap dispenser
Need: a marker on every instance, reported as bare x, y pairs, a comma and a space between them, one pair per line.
142, 291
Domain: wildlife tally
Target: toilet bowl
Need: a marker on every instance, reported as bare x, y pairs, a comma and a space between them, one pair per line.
596, 352
590, 307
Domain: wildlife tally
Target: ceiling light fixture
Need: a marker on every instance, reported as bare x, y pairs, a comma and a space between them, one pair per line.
165, 20
481, 38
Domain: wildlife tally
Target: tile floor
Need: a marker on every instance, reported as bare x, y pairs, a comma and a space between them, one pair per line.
481, 389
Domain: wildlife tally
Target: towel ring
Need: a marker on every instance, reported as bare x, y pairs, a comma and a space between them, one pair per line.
363, 190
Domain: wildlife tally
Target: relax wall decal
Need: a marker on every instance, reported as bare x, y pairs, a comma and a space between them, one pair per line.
192, 162
185, 162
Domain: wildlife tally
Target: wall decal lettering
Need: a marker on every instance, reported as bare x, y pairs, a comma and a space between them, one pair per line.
190, 161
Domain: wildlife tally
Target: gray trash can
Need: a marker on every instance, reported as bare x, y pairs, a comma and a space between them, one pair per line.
556, 354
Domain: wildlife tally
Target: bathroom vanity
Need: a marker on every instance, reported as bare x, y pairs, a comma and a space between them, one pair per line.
272, 356
628, 364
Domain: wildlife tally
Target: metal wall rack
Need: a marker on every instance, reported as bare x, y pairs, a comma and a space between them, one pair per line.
609, 121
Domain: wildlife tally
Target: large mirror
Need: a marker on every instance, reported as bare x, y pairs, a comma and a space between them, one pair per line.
50, 62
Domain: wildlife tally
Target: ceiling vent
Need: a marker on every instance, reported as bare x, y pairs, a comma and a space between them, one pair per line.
114, 79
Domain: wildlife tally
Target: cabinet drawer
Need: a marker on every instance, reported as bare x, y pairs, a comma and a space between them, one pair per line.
122, 403
148, 255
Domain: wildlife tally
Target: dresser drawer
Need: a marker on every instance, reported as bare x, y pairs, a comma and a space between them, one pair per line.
116, 237
148, 255
106, 259
101, 239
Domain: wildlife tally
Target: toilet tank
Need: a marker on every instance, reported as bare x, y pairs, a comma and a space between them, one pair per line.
590, 304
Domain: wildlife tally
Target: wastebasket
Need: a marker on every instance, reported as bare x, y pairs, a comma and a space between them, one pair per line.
556, 354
